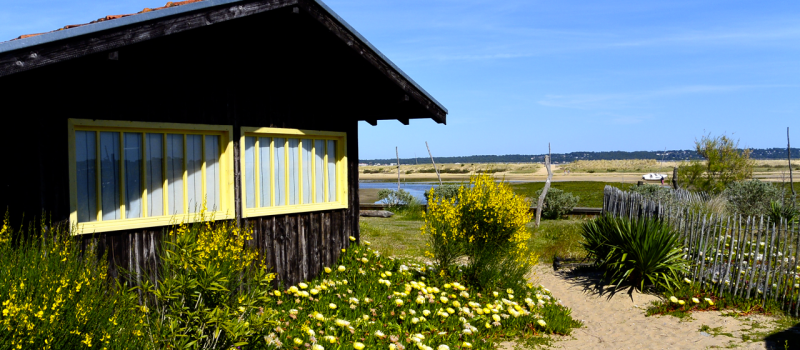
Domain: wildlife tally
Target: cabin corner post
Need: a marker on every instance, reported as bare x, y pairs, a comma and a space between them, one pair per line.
72, 178
352, 174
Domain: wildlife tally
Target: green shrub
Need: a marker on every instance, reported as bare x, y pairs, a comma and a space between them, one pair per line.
611, 170
752, 197
635, 253
653, 192
211, 291
448, 192
487, 226
557, 203
396, 198
724, 164
56, 295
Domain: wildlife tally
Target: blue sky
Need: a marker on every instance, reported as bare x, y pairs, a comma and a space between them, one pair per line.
582, 75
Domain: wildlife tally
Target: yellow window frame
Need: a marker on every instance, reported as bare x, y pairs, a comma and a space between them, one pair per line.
226, 200
341, 171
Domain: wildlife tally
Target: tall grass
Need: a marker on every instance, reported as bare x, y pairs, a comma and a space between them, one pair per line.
557, 238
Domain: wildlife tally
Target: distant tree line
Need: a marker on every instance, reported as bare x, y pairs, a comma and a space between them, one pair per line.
670, 155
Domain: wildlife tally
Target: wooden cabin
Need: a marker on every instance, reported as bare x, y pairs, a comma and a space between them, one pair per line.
250, 108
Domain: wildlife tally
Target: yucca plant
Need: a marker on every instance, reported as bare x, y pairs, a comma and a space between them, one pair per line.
778, 211
635, 253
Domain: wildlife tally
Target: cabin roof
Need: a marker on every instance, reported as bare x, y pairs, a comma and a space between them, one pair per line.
22, 53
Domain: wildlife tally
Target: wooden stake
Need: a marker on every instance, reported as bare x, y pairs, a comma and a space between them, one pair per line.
396, 153
789, 156
540, 203
434, 163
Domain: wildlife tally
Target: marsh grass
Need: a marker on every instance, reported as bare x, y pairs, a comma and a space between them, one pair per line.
590, 192
395, 236
557, 237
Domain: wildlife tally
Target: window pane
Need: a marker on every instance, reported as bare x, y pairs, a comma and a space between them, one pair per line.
280, 171
194, 172
133, 175
319, 164
174, 174
307, 171
212, 172
264, 172
250, 171
109, 174
294, 171
331, 171
86, 159
155, 174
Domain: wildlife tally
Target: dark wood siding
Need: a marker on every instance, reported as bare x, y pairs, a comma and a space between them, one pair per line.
273, 70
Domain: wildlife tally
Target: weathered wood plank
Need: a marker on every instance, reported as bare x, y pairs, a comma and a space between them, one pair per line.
58, 51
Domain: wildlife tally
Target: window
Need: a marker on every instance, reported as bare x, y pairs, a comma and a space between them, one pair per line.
126, 175
290, 170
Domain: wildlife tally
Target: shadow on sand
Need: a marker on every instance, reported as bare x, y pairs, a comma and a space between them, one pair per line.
591, 281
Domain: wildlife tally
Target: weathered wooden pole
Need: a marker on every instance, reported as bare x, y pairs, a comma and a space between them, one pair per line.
540, 203
434, 163
789, 156
396, 153
675, 178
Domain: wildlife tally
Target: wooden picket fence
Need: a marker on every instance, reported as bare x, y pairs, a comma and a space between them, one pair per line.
749, 257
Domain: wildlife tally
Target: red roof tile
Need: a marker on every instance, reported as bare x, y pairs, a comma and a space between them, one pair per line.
113, 17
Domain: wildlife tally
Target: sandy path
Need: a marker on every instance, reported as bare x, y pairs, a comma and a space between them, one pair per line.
619, 323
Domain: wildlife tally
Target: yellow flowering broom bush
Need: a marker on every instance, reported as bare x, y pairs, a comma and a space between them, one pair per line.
486, 225
56, 296
211, 289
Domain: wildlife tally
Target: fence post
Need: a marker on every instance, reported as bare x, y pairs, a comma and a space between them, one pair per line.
743, 264
769, 251
783, 260
753, 257
728, 276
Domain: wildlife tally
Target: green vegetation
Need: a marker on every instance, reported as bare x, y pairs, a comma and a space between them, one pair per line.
752, 197
557, 237
398, 235
396, 198
590, 193
724, 164
486, 227
445, 191
56, 296
635, 253
557, 203
211, 292
374, 301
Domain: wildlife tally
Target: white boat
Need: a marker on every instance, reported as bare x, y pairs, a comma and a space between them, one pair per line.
654, 176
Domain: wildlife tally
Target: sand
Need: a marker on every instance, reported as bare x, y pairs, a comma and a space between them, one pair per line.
540, 175
618, 322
